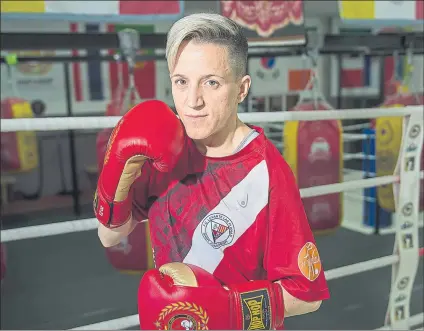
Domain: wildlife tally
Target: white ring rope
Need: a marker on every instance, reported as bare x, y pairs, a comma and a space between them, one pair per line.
132, 321
84, 123
345, 271
345, 128
358, 197
346, 136
357, 156
52, 229
356, 136
354, 127
346, 186
47, 230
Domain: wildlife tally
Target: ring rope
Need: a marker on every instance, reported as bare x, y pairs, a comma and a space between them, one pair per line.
346, 128
346, 136
96, 122
354, 127
357, 136
132, 321
345, 271
92, 223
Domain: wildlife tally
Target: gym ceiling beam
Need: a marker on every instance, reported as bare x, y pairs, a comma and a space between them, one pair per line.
354, 45
14, 41
95, 41
385, 42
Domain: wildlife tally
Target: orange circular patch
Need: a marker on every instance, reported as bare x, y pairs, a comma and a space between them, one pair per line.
309, 261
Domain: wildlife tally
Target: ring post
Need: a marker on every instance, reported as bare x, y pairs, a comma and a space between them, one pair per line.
374, 216
368, 168
406, 195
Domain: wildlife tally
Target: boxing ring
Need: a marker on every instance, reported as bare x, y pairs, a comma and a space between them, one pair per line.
404, 261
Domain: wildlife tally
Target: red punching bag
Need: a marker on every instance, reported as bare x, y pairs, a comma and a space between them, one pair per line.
133, 253
314, 150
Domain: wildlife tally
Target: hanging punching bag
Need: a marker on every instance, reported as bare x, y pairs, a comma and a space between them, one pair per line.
389, 133
314, 151
132, 254
19, 150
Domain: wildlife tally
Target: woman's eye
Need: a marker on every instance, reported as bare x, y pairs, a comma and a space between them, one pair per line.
212, 83
180, 82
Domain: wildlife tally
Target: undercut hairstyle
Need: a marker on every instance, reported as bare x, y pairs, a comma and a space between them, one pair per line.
209, 28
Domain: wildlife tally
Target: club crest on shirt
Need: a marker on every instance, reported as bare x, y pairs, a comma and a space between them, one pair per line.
218, 230
309, 261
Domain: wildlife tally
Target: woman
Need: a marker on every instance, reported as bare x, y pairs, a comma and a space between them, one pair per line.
223, 206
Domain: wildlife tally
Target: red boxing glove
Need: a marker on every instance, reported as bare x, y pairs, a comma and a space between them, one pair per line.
150, 130
185, 297
101, 146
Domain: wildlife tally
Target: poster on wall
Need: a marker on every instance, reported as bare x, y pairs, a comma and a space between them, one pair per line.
268, 23
92, 83
273, 76
35, 80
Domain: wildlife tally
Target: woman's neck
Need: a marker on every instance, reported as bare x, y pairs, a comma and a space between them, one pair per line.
224, 142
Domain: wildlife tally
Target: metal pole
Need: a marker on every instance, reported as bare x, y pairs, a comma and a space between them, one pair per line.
72, 154
340, 76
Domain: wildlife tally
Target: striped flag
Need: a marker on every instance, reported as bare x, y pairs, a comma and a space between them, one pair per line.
98, 81
356, 73
375, 12
359, 77
90, 78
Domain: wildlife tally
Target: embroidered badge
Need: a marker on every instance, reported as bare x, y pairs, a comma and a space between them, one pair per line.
309, 261
218, 230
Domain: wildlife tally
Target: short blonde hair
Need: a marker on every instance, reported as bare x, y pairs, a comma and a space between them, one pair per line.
209, 28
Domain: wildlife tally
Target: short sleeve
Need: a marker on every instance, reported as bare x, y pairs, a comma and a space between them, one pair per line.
291, 254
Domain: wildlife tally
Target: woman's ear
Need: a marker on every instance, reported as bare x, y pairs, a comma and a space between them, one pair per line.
244, 88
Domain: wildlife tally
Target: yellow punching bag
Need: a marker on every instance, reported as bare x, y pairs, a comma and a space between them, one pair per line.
19, 150
388, 131
314, 151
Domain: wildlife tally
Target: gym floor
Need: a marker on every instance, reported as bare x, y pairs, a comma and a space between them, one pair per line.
66, 281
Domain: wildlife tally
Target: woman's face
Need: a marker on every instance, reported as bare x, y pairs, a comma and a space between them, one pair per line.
205, 90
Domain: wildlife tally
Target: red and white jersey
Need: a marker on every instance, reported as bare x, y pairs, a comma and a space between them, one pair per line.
239, 217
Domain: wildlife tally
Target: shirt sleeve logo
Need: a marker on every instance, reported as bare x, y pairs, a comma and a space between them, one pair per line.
218, 230
309, 261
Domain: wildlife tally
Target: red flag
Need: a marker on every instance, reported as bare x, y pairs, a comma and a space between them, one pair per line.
149, 7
